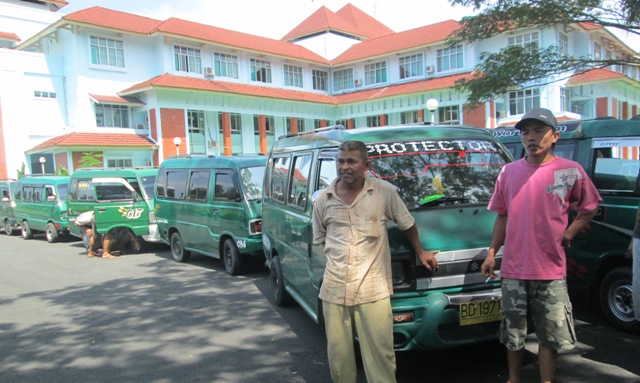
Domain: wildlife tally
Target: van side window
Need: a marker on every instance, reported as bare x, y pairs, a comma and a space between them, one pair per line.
327, 173
565, 150
615, 169
225, 188
299, 180
37, 194
81, 190
198, 185
176, 184
5, 193
160, 184
49, 192
27, 192
113, 191
279, 173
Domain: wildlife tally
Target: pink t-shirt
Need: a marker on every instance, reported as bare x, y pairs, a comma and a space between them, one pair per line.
536, 200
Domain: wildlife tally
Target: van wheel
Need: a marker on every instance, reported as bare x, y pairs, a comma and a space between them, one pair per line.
26, 231
177, 248
51, 233
8, 229
280, 296
231, 257
616, 300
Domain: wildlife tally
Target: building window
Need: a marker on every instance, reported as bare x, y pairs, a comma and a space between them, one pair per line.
411, 66
260, 71
41, 94
119, 163
375, 73
187, 59
343, 79
564, 100
300, 125
409, 117
112, 116
450, 58
235, 122
225, 65
320, 80
529, 40
107, 52
317, 124
522, 101
373, 121
269, 122
597, 51
293, 76
196, 130
563, 44
449, 114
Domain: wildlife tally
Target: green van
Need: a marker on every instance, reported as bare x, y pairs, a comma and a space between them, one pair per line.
121, 198
212, 205
608, 150
7, 206
41, 206
445, 175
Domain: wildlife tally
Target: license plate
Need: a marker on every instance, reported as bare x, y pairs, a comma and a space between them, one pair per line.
479, 312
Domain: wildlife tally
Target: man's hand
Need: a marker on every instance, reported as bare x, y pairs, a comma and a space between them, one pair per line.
428, 259
488, 266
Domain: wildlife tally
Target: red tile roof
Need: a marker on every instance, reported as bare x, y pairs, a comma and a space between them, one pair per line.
398, 42
365, 23
95, 139
115, 100
109, 19
9, 36
323, 20
594, 75
172, 81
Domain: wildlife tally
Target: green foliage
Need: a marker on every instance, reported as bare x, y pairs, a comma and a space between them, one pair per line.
62, 171
90, 160
514, 67
22, 170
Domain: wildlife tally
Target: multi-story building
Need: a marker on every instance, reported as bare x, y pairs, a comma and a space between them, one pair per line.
128, 90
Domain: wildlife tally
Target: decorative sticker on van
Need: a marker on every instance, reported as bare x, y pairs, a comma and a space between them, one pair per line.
130, 213
395, 148
241, 243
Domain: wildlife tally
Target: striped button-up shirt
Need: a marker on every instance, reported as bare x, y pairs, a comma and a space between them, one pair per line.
356, 243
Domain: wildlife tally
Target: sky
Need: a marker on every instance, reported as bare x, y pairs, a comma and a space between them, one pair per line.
275, 18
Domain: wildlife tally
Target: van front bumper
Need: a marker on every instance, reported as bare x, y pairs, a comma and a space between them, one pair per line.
436, 320
154, 234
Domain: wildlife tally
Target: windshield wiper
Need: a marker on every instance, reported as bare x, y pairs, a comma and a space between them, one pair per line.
438, 199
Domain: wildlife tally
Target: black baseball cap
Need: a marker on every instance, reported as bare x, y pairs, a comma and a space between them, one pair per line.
539, 114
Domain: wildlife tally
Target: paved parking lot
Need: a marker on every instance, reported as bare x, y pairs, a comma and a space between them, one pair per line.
146, 318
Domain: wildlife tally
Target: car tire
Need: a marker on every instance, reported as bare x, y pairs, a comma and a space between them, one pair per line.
51, 233
233, 262
280, 296
179, 253
8, 229
26, 231
616, 300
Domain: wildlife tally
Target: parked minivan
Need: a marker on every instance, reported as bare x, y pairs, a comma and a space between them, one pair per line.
445, 175
41, 206
7, 206
121, 198
212, 205
608, 150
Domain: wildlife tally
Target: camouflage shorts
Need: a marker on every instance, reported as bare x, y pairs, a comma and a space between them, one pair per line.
546, 303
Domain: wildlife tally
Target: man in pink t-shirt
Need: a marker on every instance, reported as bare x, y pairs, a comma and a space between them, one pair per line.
532, 198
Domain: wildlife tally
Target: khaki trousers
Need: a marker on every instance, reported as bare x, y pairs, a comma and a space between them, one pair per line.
373, 323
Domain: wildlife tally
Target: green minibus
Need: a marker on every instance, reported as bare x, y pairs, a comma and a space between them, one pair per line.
121, 198
7, 206
607, 149
212, 206
445, 175
41, 206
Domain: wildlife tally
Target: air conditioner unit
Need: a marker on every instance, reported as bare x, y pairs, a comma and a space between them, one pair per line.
213, 144
357, 82
209, 72
430, 69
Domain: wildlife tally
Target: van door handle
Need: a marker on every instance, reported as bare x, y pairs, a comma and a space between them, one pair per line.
102, 209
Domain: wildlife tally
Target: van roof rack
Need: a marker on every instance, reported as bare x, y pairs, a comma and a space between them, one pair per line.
324, 129
192, 156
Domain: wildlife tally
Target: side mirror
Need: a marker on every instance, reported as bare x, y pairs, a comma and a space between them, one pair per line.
5, 199
51, 198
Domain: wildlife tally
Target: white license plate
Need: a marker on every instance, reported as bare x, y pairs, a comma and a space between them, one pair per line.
479, 312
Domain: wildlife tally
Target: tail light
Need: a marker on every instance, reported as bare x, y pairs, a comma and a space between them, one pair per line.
255, 227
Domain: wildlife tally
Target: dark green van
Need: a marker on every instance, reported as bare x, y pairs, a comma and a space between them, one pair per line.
121, 198
41, 206
7, 206
608, 151
212, 205
445, 175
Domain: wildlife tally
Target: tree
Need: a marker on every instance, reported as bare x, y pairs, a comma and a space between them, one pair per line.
90, 160
514, 66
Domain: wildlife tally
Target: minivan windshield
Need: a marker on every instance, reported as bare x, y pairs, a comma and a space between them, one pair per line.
252, 179
438, 172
